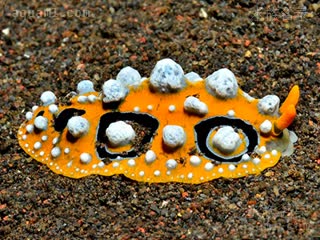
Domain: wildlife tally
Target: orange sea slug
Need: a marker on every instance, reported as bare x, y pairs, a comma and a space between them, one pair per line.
171, 127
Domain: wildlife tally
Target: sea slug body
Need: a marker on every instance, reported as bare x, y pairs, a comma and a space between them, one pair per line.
171, 127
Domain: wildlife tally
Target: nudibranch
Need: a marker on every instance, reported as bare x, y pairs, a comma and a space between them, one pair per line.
171, 127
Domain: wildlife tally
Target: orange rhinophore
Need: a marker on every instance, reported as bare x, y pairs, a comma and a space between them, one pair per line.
171, 127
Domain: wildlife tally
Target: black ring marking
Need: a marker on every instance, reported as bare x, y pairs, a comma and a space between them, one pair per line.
142, 119
203, 128
61, 121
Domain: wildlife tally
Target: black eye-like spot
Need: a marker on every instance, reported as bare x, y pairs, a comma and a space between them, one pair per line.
203, 129
60, 122
146, 122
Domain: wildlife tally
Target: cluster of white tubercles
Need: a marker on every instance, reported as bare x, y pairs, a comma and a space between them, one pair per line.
113, 91
193, 105
120, 134
173, 136
269, 105
167, 76
226, 140
222, 84
78, 126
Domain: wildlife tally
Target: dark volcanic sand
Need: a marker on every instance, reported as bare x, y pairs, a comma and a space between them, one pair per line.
270, 47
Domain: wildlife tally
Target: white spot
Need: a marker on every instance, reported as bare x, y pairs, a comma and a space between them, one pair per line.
193, 77
167, 76
231, 167
141, 173
262, 150
24, 137
67, 150
244, 166
92, 98
55, 140
113, 91
44, 138
29, 116
157, 173
222, 84
85, 158
266, 126
69, 164
173, 136
195, 160
256, 161
208, 166
226, 140
231, 113
172, 108
149, 107
168, 172
78, 126
37, 145
136, 109
245, 157
195, 106
274, 152
115, 164
269, 105
131, 162
120, 134
48, 98
26, 145
53, 108
34, 108
171, 164
85, 86
29, 128
101, 164
150, 156
190, 175
55, 152
129, 77
220, 170
267, 156
41, 153
94, 166
82, 99
41, 123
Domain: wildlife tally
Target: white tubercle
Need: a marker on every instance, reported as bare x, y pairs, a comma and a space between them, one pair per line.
120, 134
269, 105
171, 164
150, 156
78, 126
266, 126
113, 91
129, 77
48, 98
41, 123
85, 86
193, 77
85, 158
173, 136
167, 76
226, 140
222, 84
195, 106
